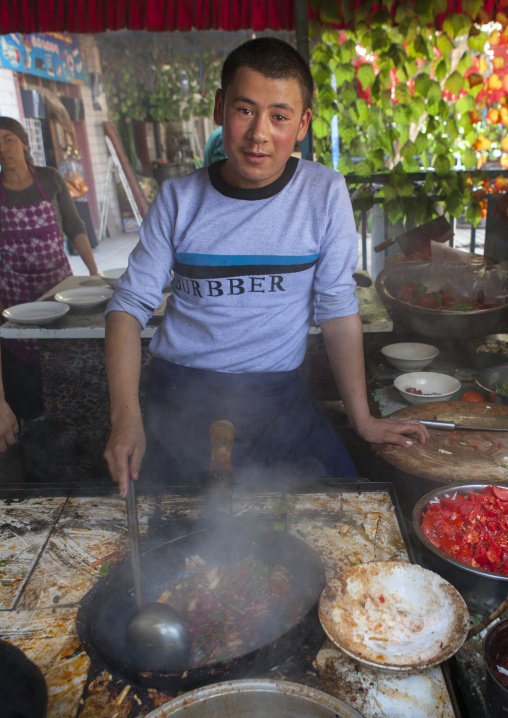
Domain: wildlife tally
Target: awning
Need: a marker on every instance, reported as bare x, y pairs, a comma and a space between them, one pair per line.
91, 16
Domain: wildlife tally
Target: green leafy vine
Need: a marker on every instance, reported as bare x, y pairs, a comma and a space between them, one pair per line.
404, 93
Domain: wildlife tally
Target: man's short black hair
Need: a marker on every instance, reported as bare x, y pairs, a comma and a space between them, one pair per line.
274, 59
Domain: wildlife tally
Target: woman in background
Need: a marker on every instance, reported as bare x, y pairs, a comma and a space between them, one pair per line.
35, 211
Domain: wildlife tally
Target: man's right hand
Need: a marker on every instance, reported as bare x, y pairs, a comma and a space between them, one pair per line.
124, 452
8, 426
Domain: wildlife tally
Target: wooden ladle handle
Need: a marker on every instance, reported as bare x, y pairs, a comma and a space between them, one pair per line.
222, 435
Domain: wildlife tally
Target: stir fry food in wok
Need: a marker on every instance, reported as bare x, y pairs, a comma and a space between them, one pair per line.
418, 295
236, 609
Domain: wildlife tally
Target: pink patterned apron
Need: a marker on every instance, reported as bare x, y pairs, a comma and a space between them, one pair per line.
32, 259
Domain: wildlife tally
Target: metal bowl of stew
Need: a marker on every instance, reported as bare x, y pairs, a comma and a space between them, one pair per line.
431, 322
487, 351
482, 590
490, 379
254, 698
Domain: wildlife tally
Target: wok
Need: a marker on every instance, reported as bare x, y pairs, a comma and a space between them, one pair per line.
113, 605
107, 609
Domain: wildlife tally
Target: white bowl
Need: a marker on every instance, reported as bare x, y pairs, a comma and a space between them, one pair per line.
434, 386
410, 356
111, 276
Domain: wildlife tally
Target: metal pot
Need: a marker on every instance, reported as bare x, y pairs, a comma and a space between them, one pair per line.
482, 591
254, 698
489, 379
483, 360
431, 322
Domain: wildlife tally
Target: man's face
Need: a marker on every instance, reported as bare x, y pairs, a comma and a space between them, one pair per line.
261, 120
11, 150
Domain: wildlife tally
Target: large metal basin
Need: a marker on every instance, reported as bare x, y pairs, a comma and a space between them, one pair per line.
431, 322
254, 698
482, 591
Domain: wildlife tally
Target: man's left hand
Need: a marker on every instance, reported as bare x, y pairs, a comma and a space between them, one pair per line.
392, 431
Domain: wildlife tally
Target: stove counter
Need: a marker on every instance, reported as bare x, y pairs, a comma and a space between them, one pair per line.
54, 549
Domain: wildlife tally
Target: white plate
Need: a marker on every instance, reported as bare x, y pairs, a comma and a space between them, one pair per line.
394, 615
35, 312
85, 297
111, 276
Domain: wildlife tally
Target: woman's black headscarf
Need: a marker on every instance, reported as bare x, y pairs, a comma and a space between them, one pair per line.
12, 125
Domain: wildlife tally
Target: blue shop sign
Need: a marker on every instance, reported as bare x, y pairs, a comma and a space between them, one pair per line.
55, 56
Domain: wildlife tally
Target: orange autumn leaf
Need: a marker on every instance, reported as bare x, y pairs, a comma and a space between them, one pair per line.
493, 116
481, 143
494, 82
475, 116
482, 66
504, 144
474, 79
503, 116
494, 37
501, 183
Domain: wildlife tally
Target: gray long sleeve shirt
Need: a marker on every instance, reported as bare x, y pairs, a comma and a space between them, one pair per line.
253, 269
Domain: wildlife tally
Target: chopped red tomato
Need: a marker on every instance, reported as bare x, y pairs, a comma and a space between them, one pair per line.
472, 528
500, 493
448, 300
427, 302
407, 293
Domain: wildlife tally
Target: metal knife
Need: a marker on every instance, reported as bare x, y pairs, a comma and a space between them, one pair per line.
450, 422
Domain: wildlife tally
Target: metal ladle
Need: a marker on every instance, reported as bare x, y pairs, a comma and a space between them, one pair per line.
158, 637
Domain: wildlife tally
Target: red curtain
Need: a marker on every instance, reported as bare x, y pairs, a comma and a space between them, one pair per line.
83, 16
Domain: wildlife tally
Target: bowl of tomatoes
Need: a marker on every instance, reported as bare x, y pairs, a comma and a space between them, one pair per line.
403, 289
461, 533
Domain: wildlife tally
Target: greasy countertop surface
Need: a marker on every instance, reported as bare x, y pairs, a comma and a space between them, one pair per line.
54, 549
89, 323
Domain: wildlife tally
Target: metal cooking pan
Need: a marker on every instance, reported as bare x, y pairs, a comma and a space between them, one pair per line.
254, 698
111, 605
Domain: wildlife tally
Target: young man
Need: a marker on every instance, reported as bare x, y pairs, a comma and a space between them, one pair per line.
261, 245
